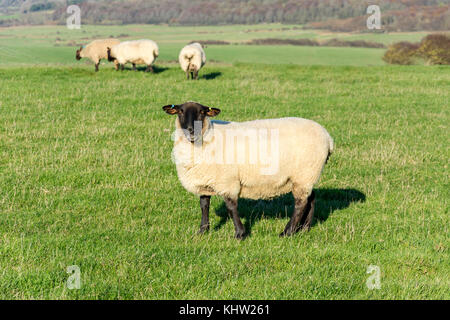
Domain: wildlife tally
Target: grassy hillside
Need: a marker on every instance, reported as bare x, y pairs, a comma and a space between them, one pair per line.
86, 179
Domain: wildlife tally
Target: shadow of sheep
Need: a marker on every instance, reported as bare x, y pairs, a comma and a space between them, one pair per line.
327, 201
142, 68
211, 75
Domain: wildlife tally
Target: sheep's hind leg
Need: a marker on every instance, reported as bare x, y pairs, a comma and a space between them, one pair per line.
305, 224
232, 206
302, 205
149, 69
134, 67
204, 204
96, 66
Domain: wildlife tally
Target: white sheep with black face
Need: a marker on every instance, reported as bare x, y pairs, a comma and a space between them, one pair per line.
135, 52
220, 158
192, 58
96, 51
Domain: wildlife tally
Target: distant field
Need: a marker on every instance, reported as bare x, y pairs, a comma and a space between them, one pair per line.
56, 44
232, 33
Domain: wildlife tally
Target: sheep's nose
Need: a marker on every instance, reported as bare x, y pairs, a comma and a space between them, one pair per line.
191, 130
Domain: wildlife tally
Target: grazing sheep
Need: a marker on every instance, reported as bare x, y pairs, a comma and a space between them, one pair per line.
192, 58
205, 154
97, 50
136, 52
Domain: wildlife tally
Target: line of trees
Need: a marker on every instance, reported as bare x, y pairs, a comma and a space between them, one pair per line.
339, 15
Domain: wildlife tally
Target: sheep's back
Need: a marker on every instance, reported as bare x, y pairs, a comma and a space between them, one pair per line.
298, 138
136, 51
303, 146
99, 48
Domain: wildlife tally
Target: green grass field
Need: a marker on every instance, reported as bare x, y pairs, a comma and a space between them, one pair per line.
86, 179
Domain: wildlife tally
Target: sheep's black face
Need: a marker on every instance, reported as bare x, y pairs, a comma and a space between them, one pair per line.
78, 55
110, 57
191, 116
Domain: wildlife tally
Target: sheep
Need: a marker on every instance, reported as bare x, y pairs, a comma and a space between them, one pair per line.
192, 58
205, 155
97, 50
136, 52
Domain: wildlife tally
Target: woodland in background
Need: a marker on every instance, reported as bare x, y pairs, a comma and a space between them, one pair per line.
335, 15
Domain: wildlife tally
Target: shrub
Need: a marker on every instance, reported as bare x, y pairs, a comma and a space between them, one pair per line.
435, 49
210, 42
276, 41
401, 53
352, 43
42, 6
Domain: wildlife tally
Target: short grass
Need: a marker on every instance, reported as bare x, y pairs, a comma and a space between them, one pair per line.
86, 179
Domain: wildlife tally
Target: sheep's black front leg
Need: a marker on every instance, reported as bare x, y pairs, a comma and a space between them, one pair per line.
196, 74
96, 66
122, 67
232, 206
204, 204
134, 66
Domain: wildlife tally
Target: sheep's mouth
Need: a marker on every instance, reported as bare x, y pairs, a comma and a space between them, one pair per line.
192, 138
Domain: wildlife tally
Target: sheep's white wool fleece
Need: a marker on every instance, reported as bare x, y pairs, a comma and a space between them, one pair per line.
136, 51
192, 54
98, 49
303, 148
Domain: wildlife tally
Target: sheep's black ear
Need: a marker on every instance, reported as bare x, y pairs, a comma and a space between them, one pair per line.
211, 112
171, 109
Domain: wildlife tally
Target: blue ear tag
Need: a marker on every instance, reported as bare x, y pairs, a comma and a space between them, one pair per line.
173, 106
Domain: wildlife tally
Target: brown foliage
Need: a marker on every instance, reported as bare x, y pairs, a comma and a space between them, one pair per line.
401, 53
276, 41
352, 43
336, 15
312, 42
435, 49
211, 42
414, 18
